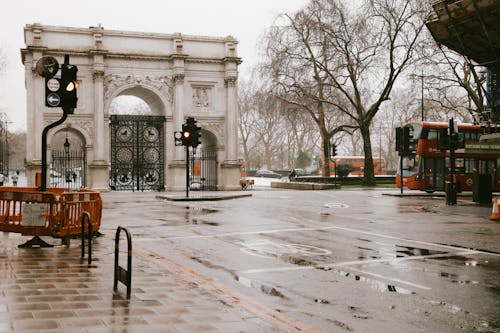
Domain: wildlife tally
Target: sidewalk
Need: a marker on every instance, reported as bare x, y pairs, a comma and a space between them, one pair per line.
54, 290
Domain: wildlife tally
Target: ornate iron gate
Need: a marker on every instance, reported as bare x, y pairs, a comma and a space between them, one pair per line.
69, 169
204, 171
137, 153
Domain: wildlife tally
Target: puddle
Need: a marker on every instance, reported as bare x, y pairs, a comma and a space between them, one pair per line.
455, 278
257, 285
408, 251
375, 284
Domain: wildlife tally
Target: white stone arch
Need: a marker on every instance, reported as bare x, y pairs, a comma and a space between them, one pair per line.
159, 68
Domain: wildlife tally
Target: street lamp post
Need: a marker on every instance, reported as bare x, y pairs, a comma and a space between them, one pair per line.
422, 93
67, 174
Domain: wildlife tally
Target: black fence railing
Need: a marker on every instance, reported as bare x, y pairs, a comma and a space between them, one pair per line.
68, 169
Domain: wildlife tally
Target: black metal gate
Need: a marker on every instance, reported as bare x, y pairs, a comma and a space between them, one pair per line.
69, 169
204, 171
137, 153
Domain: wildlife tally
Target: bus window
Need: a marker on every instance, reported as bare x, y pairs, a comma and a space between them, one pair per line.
460, 165
410, 166
469, 165
433, 134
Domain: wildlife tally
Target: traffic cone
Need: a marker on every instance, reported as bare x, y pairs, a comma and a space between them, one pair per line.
495, 212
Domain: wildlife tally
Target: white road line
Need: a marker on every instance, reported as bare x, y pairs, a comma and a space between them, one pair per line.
359, 231
392, 279
357, 262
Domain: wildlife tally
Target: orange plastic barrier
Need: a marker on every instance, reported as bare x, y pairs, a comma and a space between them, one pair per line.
56, 212
495, 212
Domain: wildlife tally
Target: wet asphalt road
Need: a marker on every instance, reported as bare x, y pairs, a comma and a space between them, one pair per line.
331, 261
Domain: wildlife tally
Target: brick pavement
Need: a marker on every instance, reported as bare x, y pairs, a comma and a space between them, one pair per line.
54, 290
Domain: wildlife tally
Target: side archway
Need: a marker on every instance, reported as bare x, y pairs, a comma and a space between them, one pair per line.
68, 162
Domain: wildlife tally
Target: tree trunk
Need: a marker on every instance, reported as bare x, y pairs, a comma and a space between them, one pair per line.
326, 157
369, 176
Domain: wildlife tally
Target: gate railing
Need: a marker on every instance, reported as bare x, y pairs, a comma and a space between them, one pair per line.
204, 171
68, 169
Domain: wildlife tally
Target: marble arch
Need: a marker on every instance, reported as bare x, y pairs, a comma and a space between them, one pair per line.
177, 75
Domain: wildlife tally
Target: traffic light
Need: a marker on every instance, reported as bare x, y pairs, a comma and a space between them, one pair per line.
399, 139
334, 149
406, 139
444, 139
186, 135
194, 132
68, 88
196, 136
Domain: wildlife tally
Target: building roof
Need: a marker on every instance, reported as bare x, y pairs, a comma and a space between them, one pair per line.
469, 27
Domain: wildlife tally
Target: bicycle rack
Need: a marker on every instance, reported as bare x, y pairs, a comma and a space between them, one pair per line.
122, 275
86, 216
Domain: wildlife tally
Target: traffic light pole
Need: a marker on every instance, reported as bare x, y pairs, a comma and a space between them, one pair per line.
44, 149
187, 171
451, 193
401, 172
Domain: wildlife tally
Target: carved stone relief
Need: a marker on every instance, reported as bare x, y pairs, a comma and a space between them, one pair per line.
163, 84
202, 97
81, 124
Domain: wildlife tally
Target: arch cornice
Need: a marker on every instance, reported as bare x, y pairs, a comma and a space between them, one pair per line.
82, 126
160, 85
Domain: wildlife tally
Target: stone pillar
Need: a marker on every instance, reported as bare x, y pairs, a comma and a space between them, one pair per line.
230, 166
176, 179
35, 96
99, 166
231, 119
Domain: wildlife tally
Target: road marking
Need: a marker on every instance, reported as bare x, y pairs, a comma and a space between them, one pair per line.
268, 249
223, 292
231, 296
353, 230
336, 205
356, 262
391, 279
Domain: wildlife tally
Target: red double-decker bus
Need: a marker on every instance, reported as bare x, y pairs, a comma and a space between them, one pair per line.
427, 167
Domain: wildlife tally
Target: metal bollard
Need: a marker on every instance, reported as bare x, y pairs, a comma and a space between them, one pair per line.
122, 275
86, 216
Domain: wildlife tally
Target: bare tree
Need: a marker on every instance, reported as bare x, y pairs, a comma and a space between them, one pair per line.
269, 129
301, 134
371, 48
247, 118
295, 60
454, 86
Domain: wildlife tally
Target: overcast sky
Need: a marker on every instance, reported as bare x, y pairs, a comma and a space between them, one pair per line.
245, 20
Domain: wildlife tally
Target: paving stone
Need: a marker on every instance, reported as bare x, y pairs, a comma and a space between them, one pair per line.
53, 290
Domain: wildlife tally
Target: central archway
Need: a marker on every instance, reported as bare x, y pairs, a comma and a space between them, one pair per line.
137, 139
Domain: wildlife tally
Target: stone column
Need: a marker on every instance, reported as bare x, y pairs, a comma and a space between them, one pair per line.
177, 167
99, 139
35, 96
231, 119
178, 112
99, 166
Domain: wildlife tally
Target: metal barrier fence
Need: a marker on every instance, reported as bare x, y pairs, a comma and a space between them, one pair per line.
55, 212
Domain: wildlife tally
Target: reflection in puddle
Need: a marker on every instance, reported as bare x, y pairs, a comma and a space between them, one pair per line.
455, 278
375, 284
258, 285
408, 251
